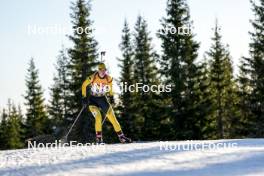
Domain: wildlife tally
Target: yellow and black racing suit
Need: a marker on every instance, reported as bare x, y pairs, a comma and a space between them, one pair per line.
99, 88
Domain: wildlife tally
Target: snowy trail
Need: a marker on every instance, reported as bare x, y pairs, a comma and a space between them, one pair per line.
138, 159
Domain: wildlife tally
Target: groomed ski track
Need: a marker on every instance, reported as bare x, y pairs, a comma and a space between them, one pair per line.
245, 158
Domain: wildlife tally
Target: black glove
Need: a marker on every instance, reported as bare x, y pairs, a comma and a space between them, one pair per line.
85, 101
111, 99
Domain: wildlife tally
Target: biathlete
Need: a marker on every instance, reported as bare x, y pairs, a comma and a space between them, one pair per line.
95, 90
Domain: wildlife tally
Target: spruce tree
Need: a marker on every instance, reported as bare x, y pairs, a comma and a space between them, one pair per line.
55, 108
255, 69
126, 65
223, 88
14, 129
36, 116
83, 59
3, 130
247, 118
59, 108
22, 122
202, 102
179, 53
145, 72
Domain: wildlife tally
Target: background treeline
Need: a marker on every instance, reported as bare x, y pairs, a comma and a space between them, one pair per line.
207, 100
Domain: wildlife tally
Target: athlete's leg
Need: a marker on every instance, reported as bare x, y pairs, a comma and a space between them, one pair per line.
108, 110
98, 120
112, 118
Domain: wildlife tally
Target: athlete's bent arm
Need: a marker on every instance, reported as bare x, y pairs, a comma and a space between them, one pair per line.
84, 86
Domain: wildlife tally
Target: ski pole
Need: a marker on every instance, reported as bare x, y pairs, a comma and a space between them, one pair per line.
66, 137
103, 120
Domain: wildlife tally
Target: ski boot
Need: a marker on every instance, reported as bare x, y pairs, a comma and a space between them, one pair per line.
122, 138
99, 138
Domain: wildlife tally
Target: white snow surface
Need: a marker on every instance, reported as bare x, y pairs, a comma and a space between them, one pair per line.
245, 158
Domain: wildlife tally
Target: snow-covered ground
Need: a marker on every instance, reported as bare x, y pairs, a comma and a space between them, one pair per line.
182, 158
